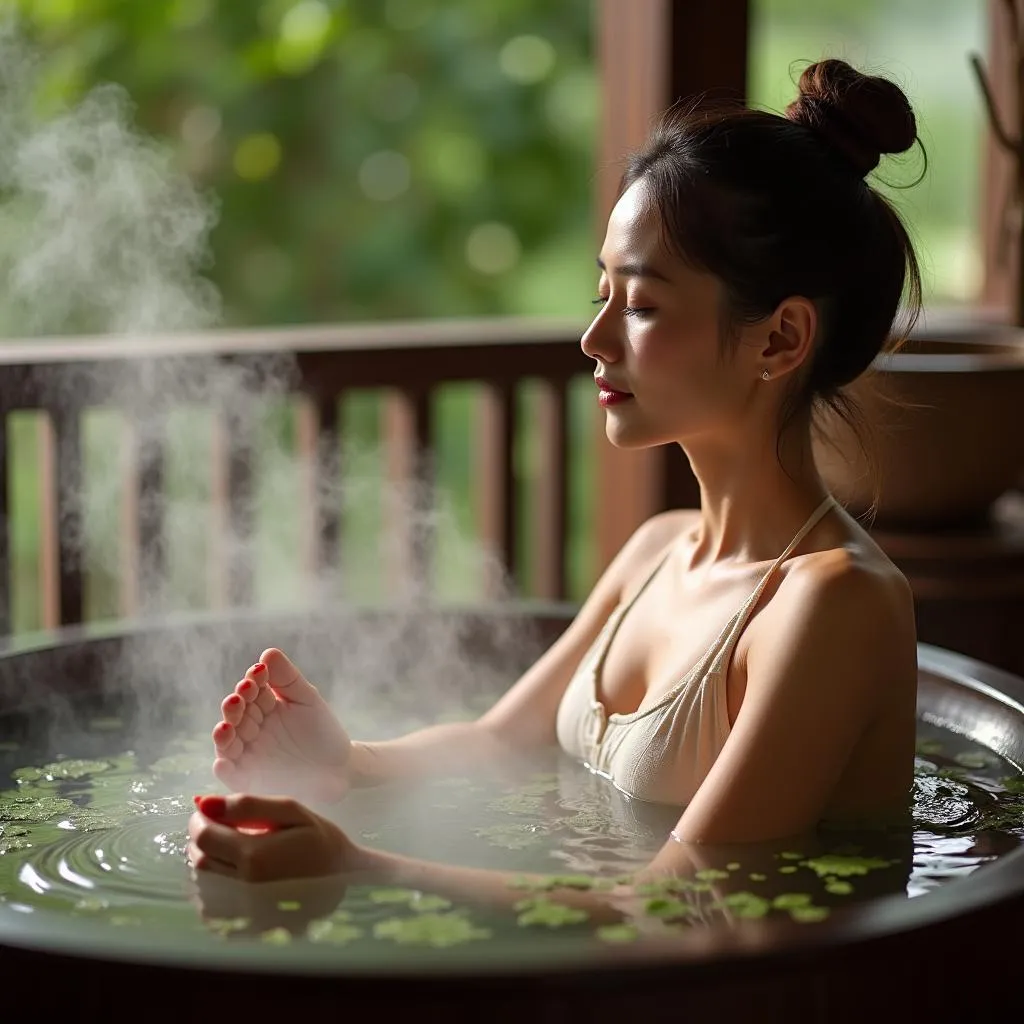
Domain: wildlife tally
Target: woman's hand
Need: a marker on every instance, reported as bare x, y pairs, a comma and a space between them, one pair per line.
263, 839
278, 735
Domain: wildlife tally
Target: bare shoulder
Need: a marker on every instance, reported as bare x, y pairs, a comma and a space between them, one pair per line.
650, 542
849, 592
654, 535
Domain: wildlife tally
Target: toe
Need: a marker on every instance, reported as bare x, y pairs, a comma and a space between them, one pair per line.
247, 689
286, 680
232, 708
227, 772
226, 740
265, 701
248, 728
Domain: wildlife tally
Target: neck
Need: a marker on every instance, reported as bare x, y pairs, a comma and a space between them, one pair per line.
754, 496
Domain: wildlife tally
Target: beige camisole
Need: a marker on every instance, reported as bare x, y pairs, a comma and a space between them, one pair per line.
663, 752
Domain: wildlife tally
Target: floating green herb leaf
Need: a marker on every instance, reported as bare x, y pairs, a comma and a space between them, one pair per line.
289, 905
788, 869
789, 900
710, 874
14, 807
548, 914
746, 904
838, 887
392, 895
809, 914
335, 932
618, 933
277, 936
668, 908
844, 866
663, 887
428, 902
440, 930
756, 876
60, 770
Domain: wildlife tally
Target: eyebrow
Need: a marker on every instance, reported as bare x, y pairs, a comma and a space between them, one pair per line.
634, 270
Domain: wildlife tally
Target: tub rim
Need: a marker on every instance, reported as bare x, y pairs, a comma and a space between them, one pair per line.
753, 945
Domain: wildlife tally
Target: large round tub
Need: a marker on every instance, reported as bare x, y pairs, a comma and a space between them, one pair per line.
951, 952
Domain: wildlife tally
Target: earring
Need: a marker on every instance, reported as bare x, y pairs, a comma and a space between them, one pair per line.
765, 375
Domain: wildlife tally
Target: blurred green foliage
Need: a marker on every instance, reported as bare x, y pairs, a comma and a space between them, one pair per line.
373, 159
923, 45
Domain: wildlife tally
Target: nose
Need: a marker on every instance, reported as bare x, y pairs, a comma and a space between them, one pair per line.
600, 340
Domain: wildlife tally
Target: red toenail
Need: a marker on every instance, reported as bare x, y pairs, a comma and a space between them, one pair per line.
258, 667
212, 806
234, 699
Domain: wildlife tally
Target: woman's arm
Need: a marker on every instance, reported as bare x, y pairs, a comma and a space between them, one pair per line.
524, 718
827, 666
266, 839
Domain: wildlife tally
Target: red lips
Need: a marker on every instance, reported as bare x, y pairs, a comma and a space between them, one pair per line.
609, 394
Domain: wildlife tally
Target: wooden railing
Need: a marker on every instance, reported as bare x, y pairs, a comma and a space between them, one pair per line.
144, 378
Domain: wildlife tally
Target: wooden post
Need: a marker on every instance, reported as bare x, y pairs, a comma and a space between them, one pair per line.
652, 53
1000, 250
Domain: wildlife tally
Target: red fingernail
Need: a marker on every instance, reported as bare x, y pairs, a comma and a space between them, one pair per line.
222, 727
258, 667
196, 800
234, 699
212, 806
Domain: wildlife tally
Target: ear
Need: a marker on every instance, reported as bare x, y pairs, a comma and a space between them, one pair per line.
791, 332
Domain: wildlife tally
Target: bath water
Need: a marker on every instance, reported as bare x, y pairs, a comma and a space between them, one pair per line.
99, 839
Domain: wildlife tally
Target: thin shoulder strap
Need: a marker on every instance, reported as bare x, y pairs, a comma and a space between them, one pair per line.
740, 620
611, 627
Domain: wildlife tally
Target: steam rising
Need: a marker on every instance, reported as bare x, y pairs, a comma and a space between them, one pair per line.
101, 233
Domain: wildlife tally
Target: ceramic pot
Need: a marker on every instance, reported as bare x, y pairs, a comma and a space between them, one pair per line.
946, 429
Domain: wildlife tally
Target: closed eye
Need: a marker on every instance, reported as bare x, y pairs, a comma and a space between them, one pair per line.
637, 311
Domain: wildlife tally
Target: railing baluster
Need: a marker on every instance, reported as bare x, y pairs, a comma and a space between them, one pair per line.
241, 510
66, 426
409, 531
49, 553
150, 450
6, 576
143, 543
328, 494
551, 505
496, 484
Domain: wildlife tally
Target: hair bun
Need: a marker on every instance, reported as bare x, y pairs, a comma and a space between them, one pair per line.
860, 116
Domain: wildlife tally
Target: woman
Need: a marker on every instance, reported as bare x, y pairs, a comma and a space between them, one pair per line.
754, 661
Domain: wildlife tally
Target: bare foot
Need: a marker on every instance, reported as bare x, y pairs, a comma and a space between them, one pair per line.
278, 736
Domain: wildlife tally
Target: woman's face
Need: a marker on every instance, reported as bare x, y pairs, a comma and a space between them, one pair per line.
656, 338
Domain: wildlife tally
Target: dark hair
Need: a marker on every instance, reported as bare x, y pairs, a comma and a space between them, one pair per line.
776, 206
